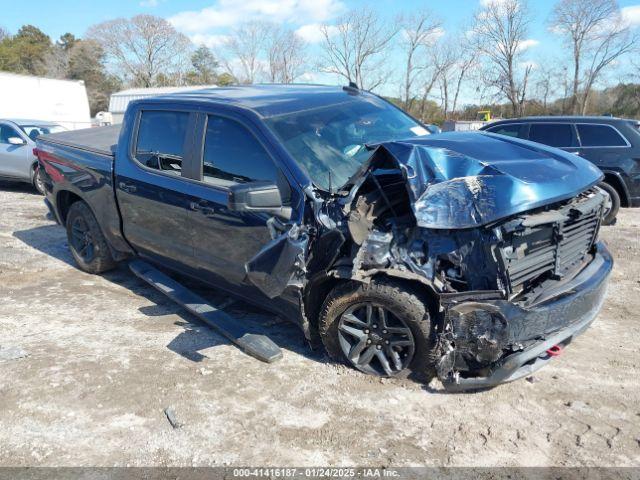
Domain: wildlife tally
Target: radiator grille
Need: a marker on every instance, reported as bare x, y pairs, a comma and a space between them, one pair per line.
556, 248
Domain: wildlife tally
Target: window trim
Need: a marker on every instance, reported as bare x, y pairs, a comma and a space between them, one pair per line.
188, 146
200, 144
628, 145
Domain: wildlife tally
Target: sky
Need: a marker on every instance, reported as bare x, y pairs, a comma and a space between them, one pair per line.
207, 21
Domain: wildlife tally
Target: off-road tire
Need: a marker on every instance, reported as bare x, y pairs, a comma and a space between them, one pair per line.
101, 259
405, 302
610, 217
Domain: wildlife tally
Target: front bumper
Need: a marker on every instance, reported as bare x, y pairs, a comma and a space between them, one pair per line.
557, 317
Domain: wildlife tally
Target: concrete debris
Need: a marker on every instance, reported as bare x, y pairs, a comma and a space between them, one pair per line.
171, 416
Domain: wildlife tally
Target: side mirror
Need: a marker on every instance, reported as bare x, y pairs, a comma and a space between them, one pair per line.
260, 197
16, 141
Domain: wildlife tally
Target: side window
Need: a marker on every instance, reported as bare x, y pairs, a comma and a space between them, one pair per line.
161, 139
233, 155
600, 136
6, 132
508, 130
553, 134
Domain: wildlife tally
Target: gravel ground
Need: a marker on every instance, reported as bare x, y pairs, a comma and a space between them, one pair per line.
88, 364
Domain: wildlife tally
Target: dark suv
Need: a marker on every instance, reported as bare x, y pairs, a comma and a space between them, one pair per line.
613, 144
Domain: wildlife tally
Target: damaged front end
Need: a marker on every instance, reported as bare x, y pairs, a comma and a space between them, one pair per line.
506, 248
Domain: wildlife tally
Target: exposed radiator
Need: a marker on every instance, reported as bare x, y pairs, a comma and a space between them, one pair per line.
551, 243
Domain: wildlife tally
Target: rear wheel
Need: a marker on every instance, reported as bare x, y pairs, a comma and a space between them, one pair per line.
613, 205
86, 241
381, 328
37, 180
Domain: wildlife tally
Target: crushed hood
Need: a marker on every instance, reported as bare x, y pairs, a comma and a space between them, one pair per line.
464, 180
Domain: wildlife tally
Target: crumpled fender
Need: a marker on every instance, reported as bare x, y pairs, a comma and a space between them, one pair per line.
280, 263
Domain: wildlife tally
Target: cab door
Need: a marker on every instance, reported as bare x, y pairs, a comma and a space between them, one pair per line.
225, 240
153, 186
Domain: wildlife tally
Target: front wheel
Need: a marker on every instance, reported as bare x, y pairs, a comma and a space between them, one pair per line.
382, 328
86, 241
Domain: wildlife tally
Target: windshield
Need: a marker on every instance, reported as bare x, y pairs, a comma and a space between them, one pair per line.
34, 131
329, 142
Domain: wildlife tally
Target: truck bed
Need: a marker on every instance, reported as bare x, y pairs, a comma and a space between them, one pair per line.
100, 140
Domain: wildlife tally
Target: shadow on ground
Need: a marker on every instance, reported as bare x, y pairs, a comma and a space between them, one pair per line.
51, 240
9, 186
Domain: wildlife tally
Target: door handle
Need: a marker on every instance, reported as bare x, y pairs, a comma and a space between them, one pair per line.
202, 207
127, 187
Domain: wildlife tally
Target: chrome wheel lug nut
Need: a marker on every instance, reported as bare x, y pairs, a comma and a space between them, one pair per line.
368, 342
366, 330
375, 326
386, 342
384, 331
379, 347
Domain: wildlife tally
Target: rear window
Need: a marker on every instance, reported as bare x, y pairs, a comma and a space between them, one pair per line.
161, 139
512, 130
553, 134
600, 136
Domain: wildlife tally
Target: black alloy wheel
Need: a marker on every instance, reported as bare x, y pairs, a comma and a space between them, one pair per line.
82, 240
374, 340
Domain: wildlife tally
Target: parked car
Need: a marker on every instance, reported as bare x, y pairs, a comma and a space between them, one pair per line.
613, 144
17, 140
433, 129
470, 256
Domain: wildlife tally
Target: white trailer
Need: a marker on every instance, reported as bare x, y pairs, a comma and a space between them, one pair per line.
61, 101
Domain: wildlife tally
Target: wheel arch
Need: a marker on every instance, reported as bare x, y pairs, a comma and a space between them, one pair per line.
64, 200
614, 179
320, 285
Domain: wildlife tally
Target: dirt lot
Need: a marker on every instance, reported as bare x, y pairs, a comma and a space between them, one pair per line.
106, 355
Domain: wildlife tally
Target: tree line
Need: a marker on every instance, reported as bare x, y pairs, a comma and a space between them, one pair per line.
424, 69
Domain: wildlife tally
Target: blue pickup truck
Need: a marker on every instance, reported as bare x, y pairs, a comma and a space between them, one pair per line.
474, 257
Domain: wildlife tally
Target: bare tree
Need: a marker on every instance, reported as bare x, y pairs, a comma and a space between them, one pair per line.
456, 69
246, 45
286, 53
356, 47
498, 33
143, 48
3, 33
597, 36
440, 61
419, 33
548, 81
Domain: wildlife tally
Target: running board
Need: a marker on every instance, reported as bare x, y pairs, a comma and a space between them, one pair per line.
258, 346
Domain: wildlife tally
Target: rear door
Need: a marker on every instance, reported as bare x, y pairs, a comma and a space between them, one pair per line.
559, 135
603, 145
15, 160
153, 186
